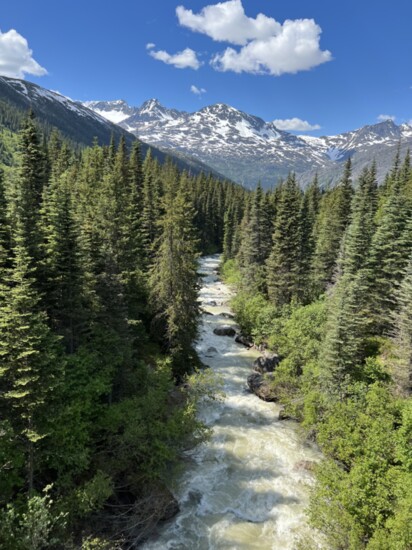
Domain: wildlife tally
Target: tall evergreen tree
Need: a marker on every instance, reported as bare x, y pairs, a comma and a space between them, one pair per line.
362, 225
256, 241
150, 209
283, 264
30, 367
29, 186
62, 284
4, 228
402, 365
389, 252
173, 281
331, 223
308, 214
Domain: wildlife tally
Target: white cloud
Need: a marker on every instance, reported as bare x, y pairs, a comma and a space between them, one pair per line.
295, 125
16, 58
227, 22
181, 60
268, 47
197, 91
382, 118
295, 48
150, 46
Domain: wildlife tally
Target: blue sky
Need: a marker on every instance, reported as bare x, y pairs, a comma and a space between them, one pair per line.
335, 65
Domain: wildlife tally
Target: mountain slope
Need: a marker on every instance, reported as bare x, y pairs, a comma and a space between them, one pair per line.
75, 120
247, 149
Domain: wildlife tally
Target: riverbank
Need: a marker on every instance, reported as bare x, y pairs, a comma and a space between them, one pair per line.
248, 486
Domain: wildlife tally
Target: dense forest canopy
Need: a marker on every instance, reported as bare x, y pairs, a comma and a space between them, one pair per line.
98, 315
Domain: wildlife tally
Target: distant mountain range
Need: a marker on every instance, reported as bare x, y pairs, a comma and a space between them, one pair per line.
247, 149
218, 139
75, 121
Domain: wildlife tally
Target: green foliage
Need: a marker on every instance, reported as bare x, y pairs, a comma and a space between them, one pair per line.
32, 526
247, 308
285, 261
329, 228
345, 369
88, 400
230, 272
173, 281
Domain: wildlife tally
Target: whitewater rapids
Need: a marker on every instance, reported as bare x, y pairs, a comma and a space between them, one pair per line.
247, 487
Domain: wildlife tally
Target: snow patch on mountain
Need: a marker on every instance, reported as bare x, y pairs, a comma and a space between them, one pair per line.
247, 149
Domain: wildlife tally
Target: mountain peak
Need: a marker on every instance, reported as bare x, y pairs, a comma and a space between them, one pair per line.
246, 149
150, 105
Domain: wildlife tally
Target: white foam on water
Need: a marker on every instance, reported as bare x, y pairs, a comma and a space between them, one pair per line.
242, 489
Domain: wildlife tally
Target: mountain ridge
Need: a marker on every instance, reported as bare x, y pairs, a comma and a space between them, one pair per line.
79, 123
247, 149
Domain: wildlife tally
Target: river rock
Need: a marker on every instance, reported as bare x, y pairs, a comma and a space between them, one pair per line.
266, 363
283, 415
212, 303
224, 330
244, 340
227, 315
211, 352
260, 386
304, 465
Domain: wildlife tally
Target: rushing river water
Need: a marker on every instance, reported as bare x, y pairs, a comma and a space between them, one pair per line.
247, 486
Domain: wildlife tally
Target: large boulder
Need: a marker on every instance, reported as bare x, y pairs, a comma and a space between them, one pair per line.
224, 330
260, 386
211, 352
266, 363
244, 340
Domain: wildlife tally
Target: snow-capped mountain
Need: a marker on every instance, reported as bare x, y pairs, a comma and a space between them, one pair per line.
247, 149
80, 123
73, 119
376, 142
115, 111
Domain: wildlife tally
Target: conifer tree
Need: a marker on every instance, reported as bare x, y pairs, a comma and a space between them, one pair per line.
402, 365
308, 215
62, 283
283, 264
349, 323
150, 210
362, 225
331, 223
136, 175
343, 350
229, 233
29, 186
173, 279
243, 228
30, 368
4, 228
388, 256
256, 241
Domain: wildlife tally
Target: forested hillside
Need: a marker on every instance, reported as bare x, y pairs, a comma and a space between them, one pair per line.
98, 320
98, 315
324, 278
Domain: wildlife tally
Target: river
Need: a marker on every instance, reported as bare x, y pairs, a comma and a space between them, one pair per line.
246, 488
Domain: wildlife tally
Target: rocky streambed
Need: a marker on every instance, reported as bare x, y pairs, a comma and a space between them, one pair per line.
247, 487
